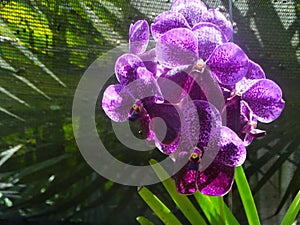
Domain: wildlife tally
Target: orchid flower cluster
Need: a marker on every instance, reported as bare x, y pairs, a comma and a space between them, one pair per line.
208, 93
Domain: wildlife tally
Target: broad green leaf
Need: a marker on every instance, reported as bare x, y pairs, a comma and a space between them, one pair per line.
291, 190
144, 221
246, 196
212, 207
292, 212
159, 208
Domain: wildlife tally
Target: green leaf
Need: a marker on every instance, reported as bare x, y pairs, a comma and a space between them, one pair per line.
246, 196
182, 201
292, 212
144, 221
159, 208
291, 190
211, 206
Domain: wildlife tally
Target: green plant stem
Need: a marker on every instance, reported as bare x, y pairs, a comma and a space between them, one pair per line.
246, 196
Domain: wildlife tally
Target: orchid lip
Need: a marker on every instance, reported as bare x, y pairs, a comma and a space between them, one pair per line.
137, 111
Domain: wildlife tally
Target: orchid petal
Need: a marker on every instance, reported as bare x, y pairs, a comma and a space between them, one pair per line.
201, 127
265, 100
195, 89
173, 87
185, 178
233, 112
216, 17
167, 127
167, 149
138, 37
117, 102
192, 10
243, 85
209, 37
126, 68
255, 71
166, 21
228, 63
179, 4
149, 60
248, 140
216, 180
232, 151
177, 47
144, 86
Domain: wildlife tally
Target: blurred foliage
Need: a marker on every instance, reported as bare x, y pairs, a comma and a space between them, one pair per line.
45, 47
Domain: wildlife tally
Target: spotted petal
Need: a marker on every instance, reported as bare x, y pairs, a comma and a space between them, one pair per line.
228, 63
216, 180
149, 60
216, 17
173, 86
192, 10
166, 21
185, 178
117, 102
177, 47
167, 149
201, 127
118, 99
209, 37
232, 151
265, 100
138, 37
165, 121
255, 71
144, 86
126, 68
241, 120
233, 112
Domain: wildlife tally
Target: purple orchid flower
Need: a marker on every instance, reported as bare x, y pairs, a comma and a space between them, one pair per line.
171, 91
253, 99
209, 166
191, 35
263, 96
138, 98
181, 47
249, 129
188, 14
241, 120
